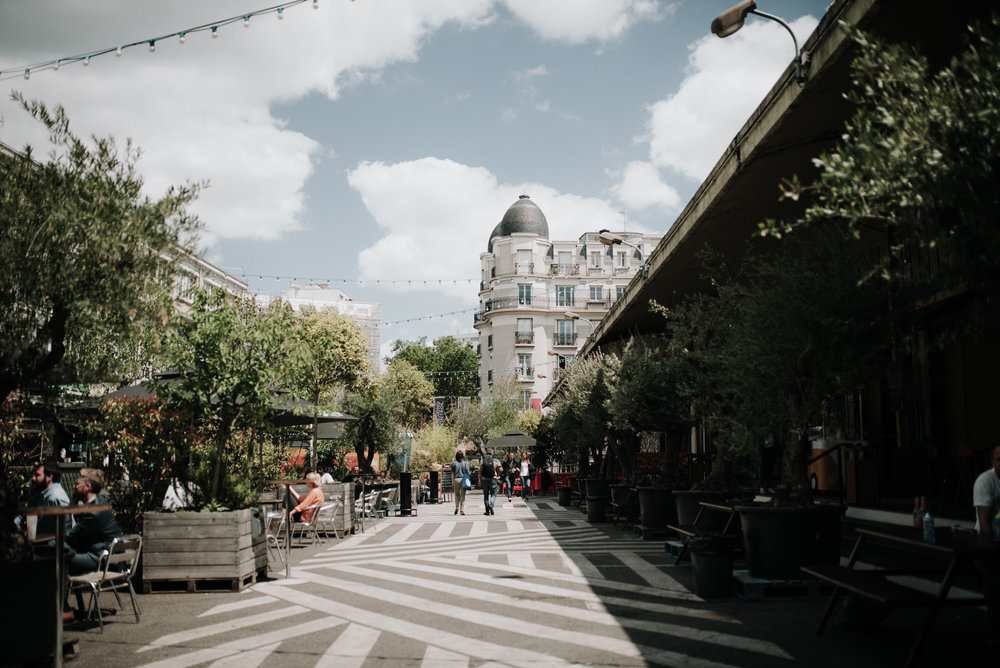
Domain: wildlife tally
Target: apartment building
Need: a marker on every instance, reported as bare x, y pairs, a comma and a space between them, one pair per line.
541, 299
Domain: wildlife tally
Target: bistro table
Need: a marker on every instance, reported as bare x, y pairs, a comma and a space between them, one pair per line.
57, 654
954, 548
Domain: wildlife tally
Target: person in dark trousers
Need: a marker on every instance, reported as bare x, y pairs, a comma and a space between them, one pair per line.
510, 468
527, 472
488, 480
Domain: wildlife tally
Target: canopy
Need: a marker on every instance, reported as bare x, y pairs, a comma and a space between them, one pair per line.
512, 439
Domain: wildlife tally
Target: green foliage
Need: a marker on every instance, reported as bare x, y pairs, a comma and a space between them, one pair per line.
582, 417
413, 392
453, 366
146, 446
919, 162
528, 422
379, 411
231, 354
87, 267
332, 356
482, 421
435, 444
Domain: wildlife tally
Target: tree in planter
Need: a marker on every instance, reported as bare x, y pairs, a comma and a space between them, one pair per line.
919, 163
645, 396
88, 260
581, 409
379, 412
232, 355
146, 446
334, 355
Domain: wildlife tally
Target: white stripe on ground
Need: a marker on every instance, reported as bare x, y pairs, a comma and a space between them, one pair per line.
351, 648
239, 605
250, 659
435, 657
647, 571
183, 637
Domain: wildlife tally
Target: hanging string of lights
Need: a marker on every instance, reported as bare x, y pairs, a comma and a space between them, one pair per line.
213, 27
358, 281
427, 317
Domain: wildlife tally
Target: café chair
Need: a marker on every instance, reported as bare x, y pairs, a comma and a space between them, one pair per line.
115, 570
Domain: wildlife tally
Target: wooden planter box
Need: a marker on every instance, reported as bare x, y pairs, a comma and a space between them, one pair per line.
202, 551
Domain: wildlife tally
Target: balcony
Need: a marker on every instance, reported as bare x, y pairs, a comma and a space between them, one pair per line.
564, 270
564, 339
522, 338
525, 373
524, 269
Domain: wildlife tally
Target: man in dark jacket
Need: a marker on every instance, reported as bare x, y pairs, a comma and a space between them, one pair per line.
93, 532
488, 479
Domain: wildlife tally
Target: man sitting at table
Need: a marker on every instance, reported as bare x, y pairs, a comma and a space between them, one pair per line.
986, 500
46, 492
93, 532
311, 502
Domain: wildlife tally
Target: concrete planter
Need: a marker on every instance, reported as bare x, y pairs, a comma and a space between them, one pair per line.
780, 541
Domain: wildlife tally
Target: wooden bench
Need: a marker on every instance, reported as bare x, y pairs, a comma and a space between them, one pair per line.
871, 584
686, 532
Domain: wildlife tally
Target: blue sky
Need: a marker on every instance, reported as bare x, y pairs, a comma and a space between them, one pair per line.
377, 143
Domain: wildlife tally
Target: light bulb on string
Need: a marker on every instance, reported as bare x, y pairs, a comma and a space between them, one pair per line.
181, 38
281, 13
152, 46
55, 65
246, 21
315, 4
118, 52
27, 73
86, 61
215, 31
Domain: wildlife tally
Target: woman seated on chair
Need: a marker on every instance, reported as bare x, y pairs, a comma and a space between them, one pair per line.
309, 503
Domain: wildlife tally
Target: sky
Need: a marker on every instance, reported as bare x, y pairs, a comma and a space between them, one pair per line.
375, 144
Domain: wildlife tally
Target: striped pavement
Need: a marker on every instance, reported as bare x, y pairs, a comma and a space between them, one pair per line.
533, 585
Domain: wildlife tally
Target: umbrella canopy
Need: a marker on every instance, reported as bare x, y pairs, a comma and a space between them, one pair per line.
512, 439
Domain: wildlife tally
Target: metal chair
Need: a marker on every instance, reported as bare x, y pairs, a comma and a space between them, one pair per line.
329, 518
117, 566
310, 526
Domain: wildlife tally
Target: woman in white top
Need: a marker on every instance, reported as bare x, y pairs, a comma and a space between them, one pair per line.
527, 470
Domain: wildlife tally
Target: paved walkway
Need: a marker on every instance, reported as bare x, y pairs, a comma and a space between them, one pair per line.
530, 586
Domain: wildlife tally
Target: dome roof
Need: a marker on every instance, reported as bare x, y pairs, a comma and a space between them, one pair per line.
522, 216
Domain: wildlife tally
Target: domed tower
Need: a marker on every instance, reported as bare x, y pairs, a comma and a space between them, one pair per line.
523, 216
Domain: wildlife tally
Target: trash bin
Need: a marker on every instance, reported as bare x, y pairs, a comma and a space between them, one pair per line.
595, 509
565, 496
712, 563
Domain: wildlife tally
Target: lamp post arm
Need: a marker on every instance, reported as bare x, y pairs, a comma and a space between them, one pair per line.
798, 56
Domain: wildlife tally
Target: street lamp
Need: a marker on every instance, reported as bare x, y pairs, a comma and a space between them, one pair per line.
731, 20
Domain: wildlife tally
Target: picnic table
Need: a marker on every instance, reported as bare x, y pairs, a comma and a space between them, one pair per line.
953, 548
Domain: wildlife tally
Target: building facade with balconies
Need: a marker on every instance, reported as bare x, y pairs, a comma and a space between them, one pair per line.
539, 299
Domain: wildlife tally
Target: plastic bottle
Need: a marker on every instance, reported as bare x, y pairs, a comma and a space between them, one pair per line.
929, 535
918, 514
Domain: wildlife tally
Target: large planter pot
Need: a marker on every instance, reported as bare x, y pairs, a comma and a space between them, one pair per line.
656, 509
565, 496
598, 488
687, 502
28, 618
191, 551
780, 541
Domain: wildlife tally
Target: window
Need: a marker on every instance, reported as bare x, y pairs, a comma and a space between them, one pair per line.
564, 295
596, 293
524, 264
565, 262
595, 259
525, 399
622, 262
524, 367
524, 333
565, 334
524, 295
489, 341
619, 291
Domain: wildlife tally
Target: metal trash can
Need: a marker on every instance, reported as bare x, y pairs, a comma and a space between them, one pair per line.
565, 496
405, 493
595, 509
712, 563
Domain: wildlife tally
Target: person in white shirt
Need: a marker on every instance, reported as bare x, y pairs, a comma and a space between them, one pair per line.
986, 500
324, 477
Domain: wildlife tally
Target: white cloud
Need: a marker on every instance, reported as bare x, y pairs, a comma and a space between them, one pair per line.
437, 216
726, 80
579, 21
530, 73
641, 187
202, 110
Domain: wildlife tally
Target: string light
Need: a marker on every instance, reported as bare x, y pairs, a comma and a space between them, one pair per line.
152, 46
84, 58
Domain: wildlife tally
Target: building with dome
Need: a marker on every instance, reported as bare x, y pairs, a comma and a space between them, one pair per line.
539, 300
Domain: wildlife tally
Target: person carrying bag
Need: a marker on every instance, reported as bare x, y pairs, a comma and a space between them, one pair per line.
461, 480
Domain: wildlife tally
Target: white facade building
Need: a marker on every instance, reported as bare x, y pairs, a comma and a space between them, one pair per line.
322, 296
540, 299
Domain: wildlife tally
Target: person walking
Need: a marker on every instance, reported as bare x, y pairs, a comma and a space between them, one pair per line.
459, 472
527, 473
510, 468
488, 479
